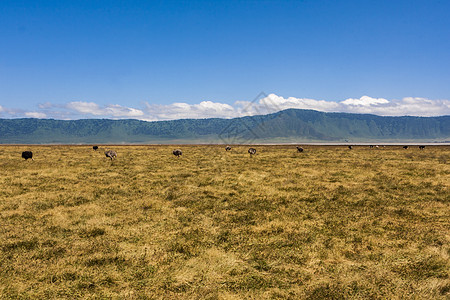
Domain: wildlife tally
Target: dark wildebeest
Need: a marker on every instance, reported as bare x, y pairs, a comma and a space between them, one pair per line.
299, 149
421, 147
252, 151
95, 148
111, 154
405, 147
371, 146
227, 148
350, 147
177, 152
27, 155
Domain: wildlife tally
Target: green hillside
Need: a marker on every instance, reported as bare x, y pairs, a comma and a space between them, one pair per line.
292, 125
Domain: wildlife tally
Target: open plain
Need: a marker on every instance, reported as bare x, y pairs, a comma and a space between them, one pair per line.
328, 223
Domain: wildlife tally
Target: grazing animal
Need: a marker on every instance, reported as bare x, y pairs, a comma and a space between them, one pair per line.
377, 146
252, 151
227, 148
299, 149
111, 154
27, 155
95, 148
421, 147
350, 147
177, 152
371, 146
405, 147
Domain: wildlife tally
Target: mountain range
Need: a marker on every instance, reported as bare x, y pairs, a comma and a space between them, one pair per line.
287, 126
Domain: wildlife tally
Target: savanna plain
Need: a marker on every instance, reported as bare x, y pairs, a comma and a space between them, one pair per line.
328, 223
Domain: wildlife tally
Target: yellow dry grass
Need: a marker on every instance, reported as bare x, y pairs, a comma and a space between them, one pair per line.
328, 223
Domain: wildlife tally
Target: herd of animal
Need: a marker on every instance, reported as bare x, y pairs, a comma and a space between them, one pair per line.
177, 152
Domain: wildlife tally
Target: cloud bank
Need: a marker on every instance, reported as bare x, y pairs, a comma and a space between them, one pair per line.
409, 106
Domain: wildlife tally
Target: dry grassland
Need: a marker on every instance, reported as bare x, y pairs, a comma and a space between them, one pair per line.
328, 223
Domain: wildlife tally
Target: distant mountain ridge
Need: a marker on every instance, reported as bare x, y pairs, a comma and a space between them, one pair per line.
291, 125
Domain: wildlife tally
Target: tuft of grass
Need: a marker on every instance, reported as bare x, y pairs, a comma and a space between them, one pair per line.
89, 233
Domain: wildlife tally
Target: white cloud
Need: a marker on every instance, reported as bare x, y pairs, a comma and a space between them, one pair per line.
35, 114
116, 110
365, 101
45, 105
85, 107
408, 106
274, 102
112, 110
11, 112
205, 109
208, 109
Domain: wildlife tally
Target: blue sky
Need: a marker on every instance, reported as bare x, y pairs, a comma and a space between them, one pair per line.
174, 59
